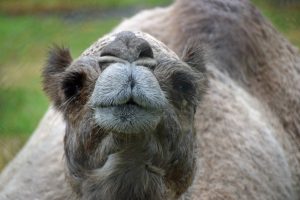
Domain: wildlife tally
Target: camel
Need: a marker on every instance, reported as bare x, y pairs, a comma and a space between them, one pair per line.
198, 100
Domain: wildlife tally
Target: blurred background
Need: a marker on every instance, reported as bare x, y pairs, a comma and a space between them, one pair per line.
29, 27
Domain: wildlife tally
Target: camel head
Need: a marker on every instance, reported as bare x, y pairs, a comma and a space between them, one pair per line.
129, 104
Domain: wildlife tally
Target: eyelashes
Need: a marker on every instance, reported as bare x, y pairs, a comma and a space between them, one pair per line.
72, 84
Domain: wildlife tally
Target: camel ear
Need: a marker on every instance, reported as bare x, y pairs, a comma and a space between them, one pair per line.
194, 55
59, 58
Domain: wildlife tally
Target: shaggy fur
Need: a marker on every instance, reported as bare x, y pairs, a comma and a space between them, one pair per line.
130, 129
244, 141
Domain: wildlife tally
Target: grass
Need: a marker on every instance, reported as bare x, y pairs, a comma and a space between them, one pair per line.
9, 145
285, 18
26, 38
38, 6
28, 104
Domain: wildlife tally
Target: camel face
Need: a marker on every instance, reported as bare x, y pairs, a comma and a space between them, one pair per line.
129, 104
127, 97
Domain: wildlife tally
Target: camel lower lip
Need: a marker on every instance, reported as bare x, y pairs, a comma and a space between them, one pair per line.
129, 105
125, 111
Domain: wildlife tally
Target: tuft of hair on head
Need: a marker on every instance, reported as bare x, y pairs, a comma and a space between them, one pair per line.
59, 58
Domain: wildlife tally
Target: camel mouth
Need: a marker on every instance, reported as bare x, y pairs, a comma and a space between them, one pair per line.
129, 118
127, 98
128, 104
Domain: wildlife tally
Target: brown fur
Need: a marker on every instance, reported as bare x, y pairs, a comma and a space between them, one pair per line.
149, 165
247, 125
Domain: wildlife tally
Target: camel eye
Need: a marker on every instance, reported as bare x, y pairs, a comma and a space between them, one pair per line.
184, 86
183, 83
72, 84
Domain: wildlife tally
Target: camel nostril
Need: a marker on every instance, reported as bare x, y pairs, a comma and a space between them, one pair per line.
146, 51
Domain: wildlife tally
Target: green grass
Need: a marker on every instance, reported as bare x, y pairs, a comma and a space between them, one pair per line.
37, 6
9, 146
28, 106
25, 39
285, 18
